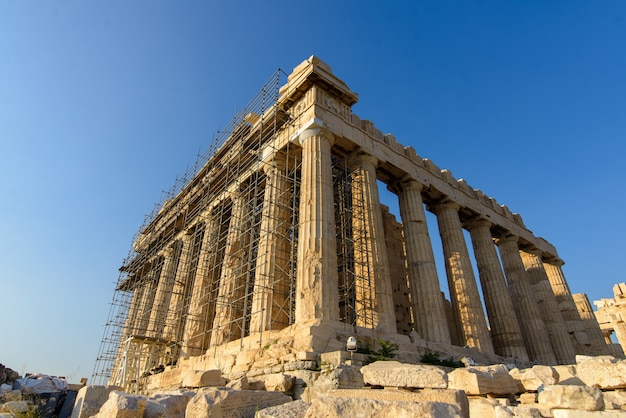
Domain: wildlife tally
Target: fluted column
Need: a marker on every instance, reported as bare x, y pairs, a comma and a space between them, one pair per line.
370, 251
505, 330
271, 286
172, 320
573, 322
229, 310
150, 282
316, 276
132, 319
596, 337
428, 308
199, 319
561, 341
461, 281
534, 330
164, 290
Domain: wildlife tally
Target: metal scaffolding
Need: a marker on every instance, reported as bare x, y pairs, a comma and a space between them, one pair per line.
216, 260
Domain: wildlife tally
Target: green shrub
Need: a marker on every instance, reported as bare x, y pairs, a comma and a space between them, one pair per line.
433, 358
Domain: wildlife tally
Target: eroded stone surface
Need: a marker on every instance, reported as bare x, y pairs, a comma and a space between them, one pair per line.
571, 397
604, 372
482, 380
531, 379
228, 403
344, 407
396, 374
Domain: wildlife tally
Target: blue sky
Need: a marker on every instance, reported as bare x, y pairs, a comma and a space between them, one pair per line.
104, 103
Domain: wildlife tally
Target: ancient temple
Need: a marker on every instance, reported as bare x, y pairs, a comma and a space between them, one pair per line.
278, 236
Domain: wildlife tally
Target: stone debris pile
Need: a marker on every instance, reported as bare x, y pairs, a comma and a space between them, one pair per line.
593, 387
36, 395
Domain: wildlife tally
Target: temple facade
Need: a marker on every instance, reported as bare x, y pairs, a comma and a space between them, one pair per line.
279, 237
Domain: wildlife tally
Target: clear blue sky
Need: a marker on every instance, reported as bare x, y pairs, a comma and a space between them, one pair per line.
103, 103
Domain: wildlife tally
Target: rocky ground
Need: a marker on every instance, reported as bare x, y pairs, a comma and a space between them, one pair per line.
593, 387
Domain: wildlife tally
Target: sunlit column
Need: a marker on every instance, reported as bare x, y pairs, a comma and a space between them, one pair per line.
196, 338
428, 308
573, 322
229, 307
561, 341
172, 320
534, 330
317, 290
505, 330
370, 251
164, 290
596, 337
270, 303
461, 281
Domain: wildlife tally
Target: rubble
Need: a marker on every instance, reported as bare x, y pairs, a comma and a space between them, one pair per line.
383, 388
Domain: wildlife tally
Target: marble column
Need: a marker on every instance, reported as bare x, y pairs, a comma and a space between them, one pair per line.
371, 264
199, 320
150, 282
573, 322
534, 330
270, 303
132, 319
172, 320
461, 281
164, 290
317, 290
505, 330
596, 337
428, 309
228, 324
559, 338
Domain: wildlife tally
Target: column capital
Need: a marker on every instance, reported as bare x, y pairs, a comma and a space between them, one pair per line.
277, 162
477, 223
314, 127
533, 250
367, 158
555, 261
446, 203
508, 237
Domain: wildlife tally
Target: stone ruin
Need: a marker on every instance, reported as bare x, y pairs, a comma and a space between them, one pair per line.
275, 249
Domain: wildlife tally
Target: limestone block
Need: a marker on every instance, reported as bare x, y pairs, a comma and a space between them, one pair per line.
354, 407
604, 372
171, 405
277, 382
614, 399
302, 383
528, 398
123, 405
524, 411
568, 413
228, 403
295, 409
239, 384
90, 399
246, 357
481, 380
203, 378
449, 396
531, 379
340, 377
396, 374
488, 408
567, 375
571, 397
